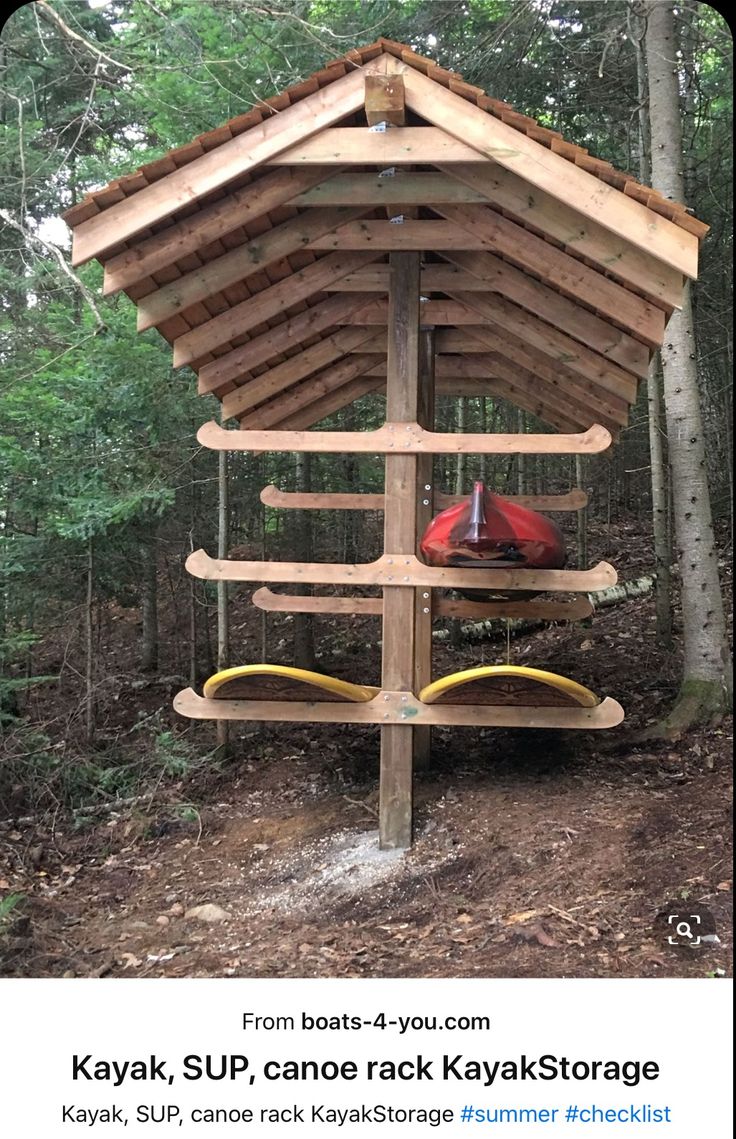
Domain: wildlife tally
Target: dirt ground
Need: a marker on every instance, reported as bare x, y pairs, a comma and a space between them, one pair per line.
536, 854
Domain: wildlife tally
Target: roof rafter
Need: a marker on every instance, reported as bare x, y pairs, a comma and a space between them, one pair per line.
242, 262
150, 254
217, 167
609, 251
268, 303
554, 266
549, 172
275, 341
270, 383
555, 344
550, 306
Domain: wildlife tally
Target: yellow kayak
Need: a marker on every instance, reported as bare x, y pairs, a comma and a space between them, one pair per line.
508, 684
281, 682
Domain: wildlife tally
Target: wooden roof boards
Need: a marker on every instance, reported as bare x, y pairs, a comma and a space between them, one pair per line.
259, 250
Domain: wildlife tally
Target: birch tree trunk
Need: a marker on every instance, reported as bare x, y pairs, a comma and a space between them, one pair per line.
707, 684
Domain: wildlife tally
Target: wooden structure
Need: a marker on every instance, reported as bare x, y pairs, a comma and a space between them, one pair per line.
384, 226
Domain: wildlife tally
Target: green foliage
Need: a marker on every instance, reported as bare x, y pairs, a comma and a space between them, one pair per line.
8, 907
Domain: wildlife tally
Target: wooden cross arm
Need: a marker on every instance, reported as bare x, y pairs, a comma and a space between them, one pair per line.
399, 708
403, 570
574, 610
303, 500
404, 438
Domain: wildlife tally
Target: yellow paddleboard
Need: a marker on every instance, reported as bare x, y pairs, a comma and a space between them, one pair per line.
508, 684
281, 682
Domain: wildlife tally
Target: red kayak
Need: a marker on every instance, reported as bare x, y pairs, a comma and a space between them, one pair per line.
486, 531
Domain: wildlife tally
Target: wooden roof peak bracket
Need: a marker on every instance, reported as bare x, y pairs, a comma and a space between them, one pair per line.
384, 100
548, 171
215, 168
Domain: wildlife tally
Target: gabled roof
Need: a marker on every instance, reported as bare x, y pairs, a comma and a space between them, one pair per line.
123, 187
259, 249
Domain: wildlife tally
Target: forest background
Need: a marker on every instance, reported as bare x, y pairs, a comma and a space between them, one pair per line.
103, 488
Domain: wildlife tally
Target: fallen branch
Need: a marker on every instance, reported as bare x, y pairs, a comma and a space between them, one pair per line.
493, 628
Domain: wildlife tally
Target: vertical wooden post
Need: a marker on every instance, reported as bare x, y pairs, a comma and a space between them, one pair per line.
582, 527
223, 542
400, 537
425, 493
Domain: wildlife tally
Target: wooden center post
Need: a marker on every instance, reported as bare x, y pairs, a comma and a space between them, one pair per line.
400, 537
425, 509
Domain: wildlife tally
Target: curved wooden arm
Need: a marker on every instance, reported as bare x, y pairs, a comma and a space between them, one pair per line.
404, 438
402, 569
399, 708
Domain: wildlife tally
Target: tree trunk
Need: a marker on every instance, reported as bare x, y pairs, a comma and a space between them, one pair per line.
707, 684
89, 671
660, 488
483, 470
521, 459
462, 422
149, 603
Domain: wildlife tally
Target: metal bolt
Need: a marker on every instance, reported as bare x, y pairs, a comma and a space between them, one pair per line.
425, 595
386, 696
425, 502
425, 610
428, 486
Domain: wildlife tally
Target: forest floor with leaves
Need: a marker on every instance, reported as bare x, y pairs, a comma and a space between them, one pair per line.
536, 853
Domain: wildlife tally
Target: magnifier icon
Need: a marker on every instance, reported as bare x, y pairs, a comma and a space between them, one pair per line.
682, 929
